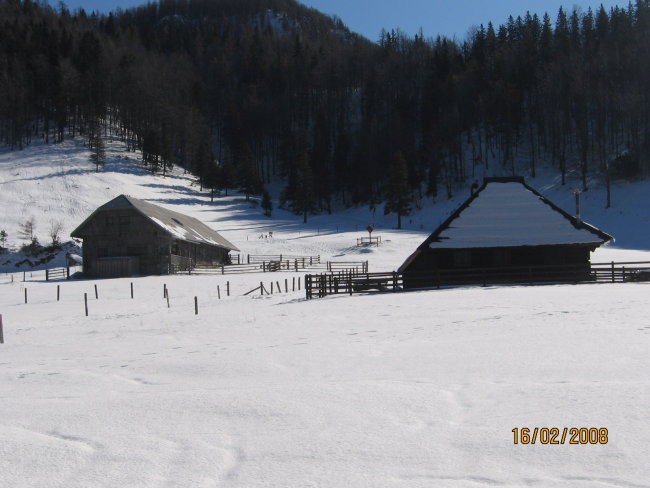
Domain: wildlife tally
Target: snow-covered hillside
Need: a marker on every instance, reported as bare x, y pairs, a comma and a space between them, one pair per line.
418, 389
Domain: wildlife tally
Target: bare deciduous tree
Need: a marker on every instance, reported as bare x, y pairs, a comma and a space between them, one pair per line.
27, 229
56, 227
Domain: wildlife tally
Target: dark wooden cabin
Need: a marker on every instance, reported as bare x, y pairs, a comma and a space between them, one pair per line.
505, 232
127, 236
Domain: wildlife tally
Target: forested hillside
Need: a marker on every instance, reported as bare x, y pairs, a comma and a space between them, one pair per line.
245, 93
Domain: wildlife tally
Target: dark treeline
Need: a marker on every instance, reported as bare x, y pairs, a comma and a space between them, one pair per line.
245, 93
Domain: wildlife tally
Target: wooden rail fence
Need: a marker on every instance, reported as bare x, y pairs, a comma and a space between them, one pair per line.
349, 282
368, 241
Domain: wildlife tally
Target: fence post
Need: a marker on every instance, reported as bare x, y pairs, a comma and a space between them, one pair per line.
299, 283
271, 287
623, 269
86, 303
25, 295
164, 290
261, 288
47, 275
218, 293
293, 284
23, 276
196, 306
613, 279
264, 266
310, 261
286, 285
96, 294
67, 272
132, 290
2, 337
222, 269
248, 259
227, 288
394, 281
58, 292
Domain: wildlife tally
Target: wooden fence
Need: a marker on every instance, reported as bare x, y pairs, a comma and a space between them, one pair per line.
294, 265
320, 285
303, 260
57, 274
368, 241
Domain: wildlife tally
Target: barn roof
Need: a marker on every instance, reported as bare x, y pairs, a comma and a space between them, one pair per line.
174, 224
506, 212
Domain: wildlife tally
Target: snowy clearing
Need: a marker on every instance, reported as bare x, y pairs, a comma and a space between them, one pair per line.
413, 389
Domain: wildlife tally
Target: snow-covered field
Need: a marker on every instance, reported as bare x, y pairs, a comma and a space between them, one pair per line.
379, 390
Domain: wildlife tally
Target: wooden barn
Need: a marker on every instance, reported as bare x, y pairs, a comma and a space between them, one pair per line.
506, 232
127, 236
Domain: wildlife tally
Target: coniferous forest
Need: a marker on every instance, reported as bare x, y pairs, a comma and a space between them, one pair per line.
245, 93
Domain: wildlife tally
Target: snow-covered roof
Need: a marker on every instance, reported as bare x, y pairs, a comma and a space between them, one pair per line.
505, 213
175, 224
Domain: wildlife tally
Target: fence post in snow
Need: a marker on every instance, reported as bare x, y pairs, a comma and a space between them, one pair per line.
25, 295
196, 306
58, 292
261, 288
2, 337
227, 288
131, 290
96, 294
613, 276
86, 303
218, 293
286, 285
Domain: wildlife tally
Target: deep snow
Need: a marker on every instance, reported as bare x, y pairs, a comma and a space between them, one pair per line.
409, 389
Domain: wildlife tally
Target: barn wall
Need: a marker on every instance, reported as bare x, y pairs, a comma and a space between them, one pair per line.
201, 254
124, 232
433, 265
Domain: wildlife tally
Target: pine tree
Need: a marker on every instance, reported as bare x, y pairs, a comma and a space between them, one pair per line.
267, 204
3, 238
97, 149
398, 193
249, 178
305, 196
